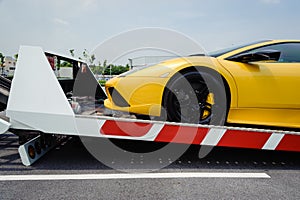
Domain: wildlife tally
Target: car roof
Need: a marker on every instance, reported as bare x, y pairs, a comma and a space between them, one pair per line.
256, 45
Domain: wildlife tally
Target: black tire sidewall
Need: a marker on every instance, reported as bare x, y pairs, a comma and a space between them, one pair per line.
215, 85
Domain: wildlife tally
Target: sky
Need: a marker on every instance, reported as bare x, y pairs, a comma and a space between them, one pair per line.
60, 25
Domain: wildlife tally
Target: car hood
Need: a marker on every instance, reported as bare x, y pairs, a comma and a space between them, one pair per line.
169, 67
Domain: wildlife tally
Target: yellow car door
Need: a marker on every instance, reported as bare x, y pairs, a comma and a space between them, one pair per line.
267, 85
267, 91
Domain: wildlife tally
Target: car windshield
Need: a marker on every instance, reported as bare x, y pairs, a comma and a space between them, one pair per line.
226, 50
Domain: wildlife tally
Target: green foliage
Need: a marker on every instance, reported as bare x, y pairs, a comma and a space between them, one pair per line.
16, 56
102, 82
66, 64
92, 58
1, 59
96, 69
72, 52
115, 69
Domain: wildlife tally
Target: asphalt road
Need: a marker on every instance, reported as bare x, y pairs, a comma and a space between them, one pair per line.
72, 158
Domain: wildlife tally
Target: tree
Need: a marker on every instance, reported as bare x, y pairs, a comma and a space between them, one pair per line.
16, 56
66, 64
92, 58
1, 59
72, 52
85, 54
115, 69
96, 69
104, 69
87, 57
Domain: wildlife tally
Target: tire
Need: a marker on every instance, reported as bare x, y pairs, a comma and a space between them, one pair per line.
197, 97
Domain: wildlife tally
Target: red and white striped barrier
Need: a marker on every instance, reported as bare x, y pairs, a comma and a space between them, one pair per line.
197, 134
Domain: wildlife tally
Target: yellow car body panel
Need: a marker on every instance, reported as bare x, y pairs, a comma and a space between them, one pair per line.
139, 94
266, 85
144, 93
261, 93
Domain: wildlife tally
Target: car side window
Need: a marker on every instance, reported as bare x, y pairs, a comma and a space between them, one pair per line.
290, 52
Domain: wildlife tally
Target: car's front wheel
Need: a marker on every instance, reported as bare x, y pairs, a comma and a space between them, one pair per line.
195, 97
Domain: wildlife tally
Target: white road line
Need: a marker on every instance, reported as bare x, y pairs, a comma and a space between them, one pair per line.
48, 177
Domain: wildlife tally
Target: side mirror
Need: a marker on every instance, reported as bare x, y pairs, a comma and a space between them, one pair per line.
264, 55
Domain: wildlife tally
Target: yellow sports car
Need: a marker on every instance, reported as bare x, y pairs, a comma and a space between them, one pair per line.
255, 83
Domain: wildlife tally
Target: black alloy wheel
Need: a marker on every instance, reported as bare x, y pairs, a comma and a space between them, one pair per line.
195, 97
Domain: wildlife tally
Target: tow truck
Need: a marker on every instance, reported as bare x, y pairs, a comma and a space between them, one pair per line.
43, 106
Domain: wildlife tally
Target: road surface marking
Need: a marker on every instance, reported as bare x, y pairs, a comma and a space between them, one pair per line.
129, 176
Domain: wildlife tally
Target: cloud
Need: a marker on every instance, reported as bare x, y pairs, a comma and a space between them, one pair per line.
88, 3
186, 15
67, 7
270, 1
61, 21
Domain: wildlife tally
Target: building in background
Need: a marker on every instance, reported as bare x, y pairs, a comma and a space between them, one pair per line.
9, 66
